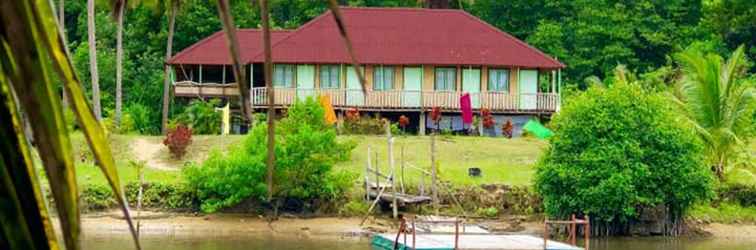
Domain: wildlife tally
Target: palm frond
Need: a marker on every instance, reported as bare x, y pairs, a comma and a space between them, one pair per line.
32, 50
716, 101
24, 220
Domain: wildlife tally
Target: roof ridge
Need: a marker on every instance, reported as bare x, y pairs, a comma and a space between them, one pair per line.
380, 8
259, 30
291, 33
192, 47
511, 37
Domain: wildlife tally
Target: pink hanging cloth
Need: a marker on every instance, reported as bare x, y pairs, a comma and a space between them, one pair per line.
466, 106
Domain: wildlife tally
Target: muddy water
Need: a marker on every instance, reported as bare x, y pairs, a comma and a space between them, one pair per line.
244, 232
252, 242
268, 241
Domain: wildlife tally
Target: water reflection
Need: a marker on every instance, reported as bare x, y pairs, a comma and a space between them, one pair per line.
255, 242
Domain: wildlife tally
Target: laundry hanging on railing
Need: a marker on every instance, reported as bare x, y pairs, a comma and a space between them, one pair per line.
466, 106
330, 114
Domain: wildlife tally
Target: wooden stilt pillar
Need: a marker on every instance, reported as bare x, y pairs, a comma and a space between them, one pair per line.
421, 126
339, 121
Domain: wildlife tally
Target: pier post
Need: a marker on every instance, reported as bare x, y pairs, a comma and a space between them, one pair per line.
587, 232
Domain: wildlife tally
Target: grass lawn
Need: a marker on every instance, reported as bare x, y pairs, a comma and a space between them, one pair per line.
501, 160
88, 173
724, 213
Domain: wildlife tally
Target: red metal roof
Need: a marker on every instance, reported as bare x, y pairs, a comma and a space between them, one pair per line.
402, 36
213, 49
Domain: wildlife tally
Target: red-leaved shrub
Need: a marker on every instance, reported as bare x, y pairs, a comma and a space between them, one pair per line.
403, 121
178, 139
507, 128
488, 121
353, 115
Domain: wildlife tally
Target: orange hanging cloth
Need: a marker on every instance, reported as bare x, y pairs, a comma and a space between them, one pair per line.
330, 114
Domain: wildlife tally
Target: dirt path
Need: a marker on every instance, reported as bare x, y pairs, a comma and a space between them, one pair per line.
147, 151
224, 225
731, 231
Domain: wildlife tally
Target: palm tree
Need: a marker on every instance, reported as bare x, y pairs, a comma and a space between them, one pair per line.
120, 7
174, 8
717, 101
32, 53
93, 59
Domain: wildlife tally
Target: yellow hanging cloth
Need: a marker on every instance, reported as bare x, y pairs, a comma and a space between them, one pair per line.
330, 114
226, 119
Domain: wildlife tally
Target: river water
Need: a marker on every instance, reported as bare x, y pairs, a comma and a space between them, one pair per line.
264, 241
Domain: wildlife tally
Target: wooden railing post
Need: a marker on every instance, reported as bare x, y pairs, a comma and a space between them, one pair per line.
545, 232
573, 228
587, 232
413, 233
456, 234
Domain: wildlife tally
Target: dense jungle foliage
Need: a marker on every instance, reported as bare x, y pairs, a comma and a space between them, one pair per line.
591, 37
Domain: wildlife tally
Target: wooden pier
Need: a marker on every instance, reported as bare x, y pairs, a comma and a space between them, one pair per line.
468, 241
410, 237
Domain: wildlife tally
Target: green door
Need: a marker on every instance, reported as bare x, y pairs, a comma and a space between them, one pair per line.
528, 89
354, 95
413, 82
305, 81
471, 84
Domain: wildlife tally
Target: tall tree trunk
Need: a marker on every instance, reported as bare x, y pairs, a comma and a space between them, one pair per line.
119, 65
93, 59
166, 69
264, 13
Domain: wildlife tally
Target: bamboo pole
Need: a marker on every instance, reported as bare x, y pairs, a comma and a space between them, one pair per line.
391, 165
140, 168
401, 181
434, 191
367, 176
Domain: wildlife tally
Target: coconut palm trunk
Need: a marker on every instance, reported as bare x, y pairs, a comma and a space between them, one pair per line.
166, 69
93, 59
268, 68
119, 62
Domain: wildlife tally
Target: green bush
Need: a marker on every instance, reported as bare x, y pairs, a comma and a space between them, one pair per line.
161, 195
364, 126
745, 195
618, 149
155, 195
354, 208
724, 213
126, 126
201, 117
97, 197
145, 121
489, 212
306, 150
